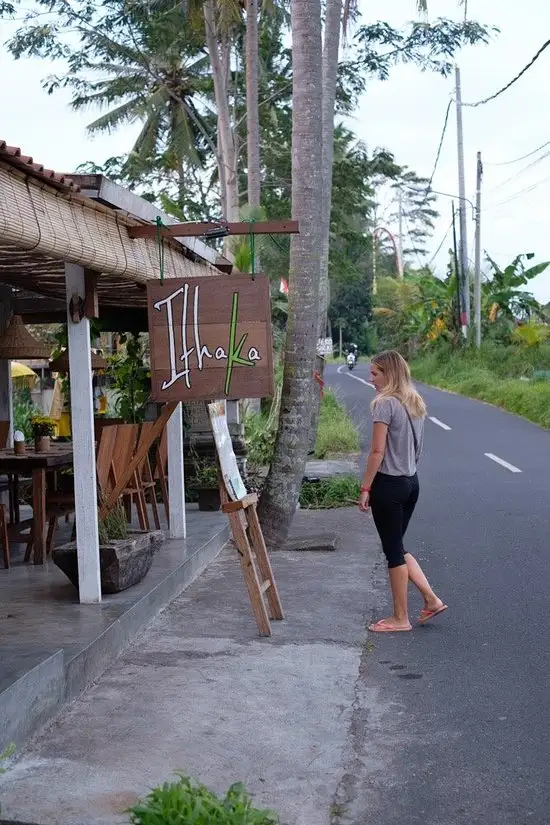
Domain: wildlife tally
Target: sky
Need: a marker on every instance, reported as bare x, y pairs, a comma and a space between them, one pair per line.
404, 114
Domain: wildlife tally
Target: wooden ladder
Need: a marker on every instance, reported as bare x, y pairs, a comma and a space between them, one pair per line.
256, 566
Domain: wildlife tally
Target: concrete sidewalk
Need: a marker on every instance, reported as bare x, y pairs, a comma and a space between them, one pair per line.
199, 691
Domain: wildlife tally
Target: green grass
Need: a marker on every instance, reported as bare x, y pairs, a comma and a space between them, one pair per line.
336, 432
185, 802
327, 494
483, 377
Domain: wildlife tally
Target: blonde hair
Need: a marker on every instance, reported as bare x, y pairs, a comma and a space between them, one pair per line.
398, 383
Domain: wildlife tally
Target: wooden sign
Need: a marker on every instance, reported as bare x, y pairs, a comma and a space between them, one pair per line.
210, 338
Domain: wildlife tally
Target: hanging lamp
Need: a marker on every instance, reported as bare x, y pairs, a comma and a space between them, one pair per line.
61, 363
17, 342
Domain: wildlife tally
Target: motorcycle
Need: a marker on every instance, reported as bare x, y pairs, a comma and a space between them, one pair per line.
351, 361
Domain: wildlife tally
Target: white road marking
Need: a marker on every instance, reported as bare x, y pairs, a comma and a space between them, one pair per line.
438, 422
351, 375
503, 463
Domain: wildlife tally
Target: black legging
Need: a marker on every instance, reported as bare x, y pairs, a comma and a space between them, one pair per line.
392, 501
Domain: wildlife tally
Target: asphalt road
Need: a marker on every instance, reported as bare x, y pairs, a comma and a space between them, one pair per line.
455, 720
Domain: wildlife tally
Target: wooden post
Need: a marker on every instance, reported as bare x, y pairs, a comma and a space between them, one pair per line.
176, 476
82, 419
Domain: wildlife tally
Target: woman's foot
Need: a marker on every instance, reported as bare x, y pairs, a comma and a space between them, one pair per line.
431, 609
390, 625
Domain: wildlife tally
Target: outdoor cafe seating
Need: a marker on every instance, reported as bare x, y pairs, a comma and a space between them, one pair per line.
52, 483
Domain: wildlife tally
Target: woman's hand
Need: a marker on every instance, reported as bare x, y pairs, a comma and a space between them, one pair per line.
364, 501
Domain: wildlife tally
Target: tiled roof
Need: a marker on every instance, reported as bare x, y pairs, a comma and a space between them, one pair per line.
13, 155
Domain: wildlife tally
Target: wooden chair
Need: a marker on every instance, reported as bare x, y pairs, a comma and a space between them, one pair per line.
124, 450
6, 486
4, 541
144, 473
60, 504
100, 422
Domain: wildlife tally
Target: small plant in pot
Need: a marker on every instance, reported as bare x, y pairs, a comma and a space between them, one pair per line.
43, 428
125, 555
206, 483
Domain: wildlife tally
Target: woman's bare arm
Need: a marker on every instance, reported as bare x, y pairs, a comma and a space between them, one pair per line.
376, 456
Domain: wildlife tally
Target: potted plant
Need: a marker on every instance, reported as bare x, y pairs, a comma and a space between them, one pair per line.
43, 428
125, 555
206, 484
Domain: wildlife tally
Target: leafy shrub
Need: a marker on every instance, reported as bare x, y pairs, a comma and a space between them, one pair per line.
329, 493
23, 411
479, 375
185, 802
114, 526
336, 432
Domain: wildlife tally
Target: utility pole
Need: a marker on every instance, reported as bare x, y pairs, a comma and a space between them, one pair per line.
462, 194
459, 291
477, 269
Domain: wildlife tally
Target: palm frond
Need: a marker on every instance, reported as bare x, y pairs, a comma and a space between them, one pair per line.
126, 113
149, 137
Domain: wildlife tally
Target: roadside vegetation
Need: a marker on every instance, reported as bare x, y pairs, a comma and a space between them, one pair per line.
329, 493
480, 375
185, 802
336, 433
419, 317
336, 436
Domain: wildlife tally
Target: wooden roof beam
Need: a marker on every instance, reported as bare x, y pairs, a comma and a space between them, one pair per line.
211, 228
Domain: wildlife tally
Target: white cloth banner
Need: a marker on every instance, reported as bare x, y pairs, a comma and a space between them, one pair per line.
228, 461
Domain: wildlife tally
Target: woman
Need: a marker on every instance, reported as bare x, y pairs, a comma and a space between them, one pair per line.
390, 483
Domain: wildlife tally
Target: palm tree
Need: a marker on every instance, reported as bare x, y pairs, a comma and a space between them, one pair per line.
252, 105
282, 489
157, 77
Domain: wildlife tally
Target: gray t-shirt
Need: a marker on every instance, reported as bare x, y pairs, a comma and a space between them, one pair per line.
399, 459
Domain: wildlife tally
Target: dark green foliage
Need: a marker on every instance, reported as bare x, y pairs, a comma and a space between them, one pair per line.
185, 802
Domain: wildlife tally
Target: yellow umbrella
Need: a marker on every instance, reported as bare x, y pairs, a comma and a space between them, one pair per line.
22, 374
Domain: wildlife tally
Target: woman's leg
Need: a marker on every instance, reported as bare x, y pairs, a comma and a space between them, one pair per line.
418, 578
399, 583
416, 574
387, 512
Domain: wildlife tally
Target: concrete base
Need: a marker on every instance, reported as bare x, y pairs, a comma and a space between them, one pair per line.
320, 543
52, 648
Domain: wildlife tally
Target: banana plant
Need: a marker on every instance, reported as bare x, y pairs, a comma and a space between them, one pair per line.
505, 289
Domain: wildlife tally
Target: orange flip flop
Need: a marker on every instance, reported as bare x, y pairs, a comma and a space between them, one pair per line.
383, 626
426, 615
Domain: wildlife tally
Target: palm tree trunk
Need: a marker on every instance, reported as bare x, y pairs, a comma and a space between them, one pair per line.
331, 48
227, 153
282, 490
252, 110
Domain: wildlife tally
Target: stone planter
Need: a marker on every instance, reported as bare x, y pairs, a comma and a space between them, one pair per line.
42, 444
123, 562
209, 499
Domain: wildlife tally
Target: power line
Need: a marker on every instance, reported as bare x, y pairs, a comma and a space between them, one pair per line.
523, 157
520, 173
440, 247
439, 148
511, 83
518, 194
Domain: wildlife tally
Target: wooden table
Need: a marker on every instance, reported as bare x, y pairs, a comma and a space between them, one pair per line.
36, 465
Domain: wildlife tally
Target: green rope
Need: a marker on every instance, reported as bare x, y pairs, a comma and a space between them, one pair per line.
161, 247
252, 241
